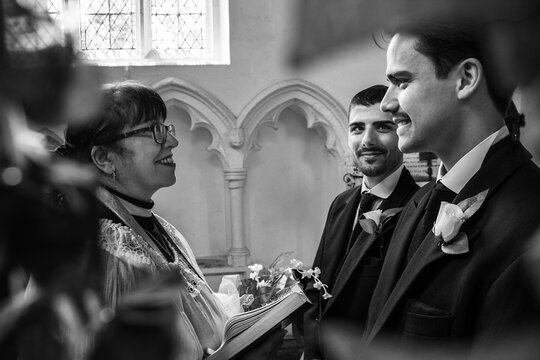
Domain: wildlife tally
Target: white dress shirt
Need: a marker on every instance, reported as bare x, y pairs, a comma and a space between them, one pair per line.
459, 175
382, 190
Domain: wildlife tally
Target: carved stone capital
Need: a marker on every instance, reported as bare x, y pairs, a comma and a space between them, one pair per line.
236, 138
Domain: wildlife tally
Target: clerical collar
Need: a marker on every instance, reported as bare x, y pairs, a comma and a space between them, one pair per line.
459, 175
137, 202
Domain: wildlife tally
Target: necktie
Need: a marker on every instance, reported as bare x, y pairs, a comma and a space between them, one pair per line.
366, 203
438, 194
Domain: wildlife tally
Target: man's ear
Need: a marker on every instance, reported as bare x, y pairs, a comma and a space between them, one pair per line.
469, 74
102, 158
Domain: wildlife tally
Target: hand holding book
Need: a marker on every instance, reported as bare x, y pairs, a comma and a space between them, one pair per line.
245, 329
269, 296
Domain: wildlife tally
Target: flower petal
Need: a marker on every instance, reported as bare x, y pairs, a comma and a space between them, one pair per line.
449, 220
472, 204
374, 215
459, 246
391, 212
368, 225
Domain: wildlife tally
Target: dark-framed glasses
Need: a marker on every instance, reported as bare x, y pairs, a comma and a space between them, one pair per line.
159, 132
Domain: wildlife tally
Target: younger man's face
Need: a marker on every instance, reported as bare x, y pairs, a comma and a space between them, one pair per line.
373, 141
422, 105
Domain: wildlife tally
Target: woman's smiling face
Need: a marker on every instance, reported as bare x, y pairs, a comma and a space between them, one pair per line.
143, 166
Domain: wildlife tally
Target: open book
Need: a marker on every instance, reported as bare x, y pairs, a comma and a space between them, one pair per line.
244, 329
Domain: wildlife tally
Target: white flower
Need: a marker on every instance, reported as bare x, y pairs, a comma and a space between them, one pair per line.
317, 286
296, 264
373, 221
246, 299
288, 272
449, 221
263, 283
374, 215
255, 267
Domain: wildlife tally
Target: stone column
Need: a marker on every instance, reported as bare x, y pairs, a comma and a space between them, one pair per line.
239, 253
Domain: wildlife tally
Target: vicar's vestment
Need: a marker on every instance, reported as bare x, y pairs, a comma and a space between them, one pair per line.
133, 255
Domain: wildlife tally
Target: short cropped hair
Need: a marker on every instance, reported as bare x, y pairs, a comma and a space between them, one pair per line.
371, 96
446, 44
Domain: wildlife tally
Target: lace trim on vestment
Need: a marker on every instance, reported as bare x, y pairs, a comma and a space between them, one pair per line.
122, 242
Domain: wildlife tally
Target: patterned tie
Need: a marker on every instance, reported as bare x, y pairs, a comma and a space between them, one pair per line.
366, 203
438, 194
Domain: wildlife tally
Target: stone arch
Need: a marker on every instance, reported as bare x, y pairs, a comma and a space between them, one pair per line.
322, 112
204, 110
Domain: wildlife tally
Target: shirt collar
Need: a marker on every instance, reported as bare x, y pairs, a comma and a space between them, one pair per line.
385, 187
470, 163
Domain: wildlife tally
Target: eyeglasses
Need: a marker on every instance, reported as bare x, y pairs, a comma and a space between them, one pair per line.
159, 132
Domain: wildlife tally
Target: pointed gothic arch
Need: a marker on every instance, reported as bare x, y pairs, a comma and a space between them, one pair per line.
204, 110
322, 113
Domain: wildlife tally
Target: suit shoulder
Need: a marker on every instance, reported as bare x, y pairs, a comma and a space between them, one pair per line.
423, 190
347, 194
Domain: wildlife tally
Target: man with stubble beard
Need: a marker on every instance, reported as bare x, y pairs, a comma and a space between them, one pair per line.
351, 253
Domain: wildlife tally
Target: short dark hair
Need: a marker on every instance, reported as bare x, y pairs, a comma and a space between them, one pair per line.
126, 104
368, 97
448, 43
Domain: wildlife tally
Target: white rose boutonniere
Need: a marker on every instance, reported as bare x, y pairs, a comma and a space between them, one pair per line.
376, 219
449, 221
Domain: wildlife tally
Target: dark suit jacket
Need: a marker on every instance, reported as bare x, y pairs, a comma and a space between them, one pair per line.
351, 277
474, 298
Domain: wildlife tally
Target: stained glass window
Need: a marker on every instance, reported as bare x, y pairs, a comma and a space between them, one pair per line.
145, 30
179, 28
108, 29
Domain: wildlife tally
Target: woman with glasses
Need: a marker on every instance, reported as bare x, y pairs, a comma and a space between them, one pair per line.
132, 149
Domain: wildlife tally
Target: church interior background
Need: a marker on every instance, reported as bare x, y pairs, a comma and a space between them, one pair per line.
263, 144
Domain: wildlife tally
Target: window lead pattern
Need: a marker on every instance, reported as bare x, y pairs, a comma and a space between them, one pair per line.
52, 7
179, 28
109, 29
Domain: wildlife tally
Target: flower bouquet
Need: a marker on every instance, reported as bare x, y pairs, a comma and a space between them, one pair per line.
266, 284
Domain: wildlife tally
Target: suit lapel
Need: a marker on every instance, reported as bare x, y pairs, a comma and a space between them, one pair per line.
336, 239
401, 193
353, 259
501, 162
397, 251
503, 159
427, 253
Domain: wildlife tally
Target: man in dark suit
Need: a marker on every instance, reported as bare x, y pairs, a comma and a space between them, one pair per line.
464, 287
349, 256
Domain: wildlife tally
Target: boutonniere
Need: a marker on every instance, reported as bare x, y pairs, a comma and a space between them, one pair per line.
376, 219
449, 221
